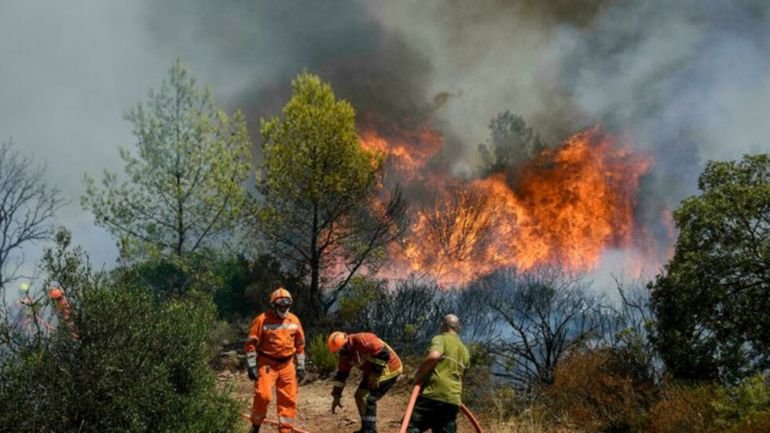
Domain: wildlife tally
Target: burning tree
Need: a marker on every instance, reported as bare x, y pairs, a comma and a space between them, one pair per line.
563, 207
460, 228
321, 206
511, 142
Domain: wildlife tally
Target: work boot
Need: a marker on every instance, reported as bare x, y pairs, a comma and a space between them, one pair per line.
367, 428
254, 428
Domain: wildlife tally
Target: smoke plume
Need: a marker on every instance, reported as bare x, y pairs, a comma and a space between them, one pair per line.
684, 81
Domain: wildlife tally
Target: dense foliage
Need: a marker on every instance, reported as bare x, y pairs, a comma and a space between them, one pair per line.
320, 208
125, 360
185, 180
712, 300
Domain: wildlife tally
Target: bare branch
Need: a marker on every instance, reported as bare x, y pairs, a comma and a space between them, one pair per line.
27, 206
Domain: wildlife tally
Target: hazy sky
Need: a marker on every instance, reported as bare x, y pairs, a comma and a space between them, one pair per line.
689, 80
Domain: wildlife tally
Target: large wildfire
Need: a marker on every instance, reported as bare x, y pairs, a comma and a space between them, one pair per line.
563, 207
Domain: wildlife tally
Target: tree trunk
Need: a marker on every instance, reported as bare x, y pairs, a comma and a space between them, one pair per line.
316, 306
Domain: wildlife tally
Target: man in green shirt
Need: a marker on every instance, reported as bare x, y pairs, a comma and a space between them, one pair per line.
441, 376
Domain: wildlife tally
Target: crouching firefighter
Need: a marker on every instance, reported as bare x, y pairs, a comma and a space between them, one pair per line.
380, 366
275, 339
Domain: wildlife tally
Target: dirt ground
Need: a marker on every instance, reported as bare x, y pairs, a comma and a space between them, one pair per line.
314, 406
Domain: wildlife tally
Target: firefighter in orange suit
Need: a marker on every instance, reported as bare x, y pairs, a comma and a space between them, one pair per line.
63, 310
275, 339
380, 366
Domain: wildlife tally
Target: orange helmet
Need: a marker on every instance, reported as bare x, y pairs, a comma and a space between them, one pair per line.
337, 339
55, 293
278, 294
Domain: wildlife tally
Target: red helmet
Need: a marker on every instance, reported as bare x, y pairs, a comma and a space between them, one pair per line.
336, 340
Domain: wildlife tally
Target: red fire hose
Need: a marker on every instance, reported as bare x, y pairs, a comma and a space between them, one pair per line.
464, 409
407, 415
269, 421
410, 409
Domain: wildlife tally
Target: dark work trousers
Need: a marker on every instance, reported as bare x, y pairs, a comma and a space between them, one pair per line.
366, 401
435, 415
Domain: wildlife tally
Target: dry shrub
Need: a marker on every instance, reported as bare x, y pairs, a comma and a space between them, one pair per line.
532, 420
602, 391
685, 409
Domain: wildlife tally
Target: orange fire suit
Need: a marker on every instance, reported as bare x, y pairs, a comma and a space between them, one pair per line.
375, 358
275, 342
63, 311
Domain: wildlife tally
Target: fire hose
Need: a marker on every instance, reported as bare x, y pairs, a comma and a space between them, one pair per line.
410, 408
407, 415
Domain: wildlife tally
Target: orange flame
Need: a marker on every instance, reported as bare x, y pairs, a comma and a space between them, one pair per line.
406, 152
565, 208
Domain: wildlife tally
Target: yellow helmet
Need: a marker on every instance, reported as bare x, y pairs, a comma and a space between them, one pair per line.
337, 339
279, 294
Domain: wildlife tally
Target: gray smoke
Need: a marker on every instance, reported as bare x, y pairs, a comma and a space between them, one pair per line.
688, 80
269, 43
68, 70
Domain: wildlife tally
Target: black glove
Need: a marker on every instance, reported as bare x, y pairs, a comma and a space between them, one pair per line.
253, 373
251, 363
300, 374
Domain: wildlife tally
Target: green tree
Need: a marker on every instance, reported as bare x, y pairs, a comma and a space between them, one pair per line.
127, 361
321, 206
510, 142
247, 284
713, 297
185, 182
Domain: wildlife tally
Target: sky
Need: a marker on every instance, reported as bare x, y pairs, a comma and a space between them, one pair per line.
688, 80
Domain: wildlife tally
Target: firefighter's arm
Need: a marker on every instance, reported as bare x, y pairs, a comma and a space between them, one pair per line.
427, 366
343, 371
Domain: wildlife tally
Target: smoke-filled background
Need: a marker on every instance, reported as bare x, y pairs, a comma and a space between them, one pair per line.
684, 81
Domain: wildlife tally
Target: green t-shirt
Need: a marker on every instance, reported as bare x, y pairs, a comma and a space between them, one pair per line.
446, 382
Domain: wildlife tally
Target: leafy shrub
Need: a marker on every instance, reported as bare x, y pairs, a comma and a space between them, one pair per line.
354, 305
137, 366
129, 362
322, 359
745, 405
246, 285
758, 422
